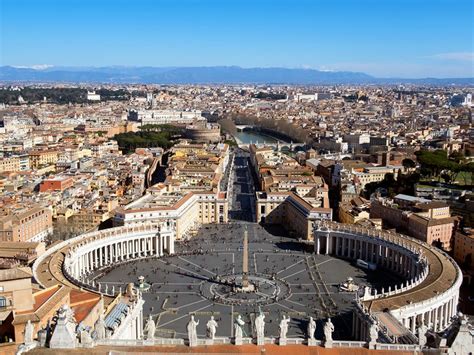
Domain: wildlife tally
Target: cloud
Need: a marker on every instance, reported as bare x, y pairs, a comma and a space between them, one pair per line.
461, 56
36, 66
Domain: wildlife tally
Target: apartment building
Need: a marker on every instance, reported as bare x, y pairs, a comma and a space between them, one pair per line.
354, 211
428, 221
43, 157
58, 183
375, 174
26, 224
464, 248
291, 211
14, 163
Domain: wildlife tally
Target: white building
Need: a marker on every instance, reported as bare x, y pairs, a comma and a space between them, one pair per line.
165, 116
92, 96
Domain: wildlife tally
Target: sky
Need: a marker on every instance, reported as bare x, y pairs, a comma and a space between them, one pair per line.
385, 38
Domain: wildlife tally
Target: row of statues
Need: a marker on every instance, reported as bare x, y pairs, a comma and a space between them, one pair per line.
239, 333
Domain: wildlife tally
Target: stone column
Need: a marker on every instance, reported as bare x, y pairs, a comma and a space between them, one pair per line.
87, 262
171, 243
435, 319
446, 314
317, 244
453, 307
337, 245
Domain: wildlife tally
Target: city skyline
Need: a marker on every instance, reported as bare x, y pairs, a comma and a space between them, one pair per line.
393, 39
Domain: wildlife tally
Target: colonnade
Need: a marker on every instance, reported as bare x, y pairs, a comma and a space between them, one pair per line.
438, 317
400, 255
369, 249
104, 248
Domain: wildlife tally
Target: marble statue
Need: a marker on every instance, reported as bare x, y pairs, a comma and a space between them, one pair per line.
328, 330
130, 291
192, 333
64, 335
100, 328
238, 328
311, 328
69, 313
211, 328
422, 330
260, 328
42, 337
29, 330
150, 328
86, 339
373, 333
284, 327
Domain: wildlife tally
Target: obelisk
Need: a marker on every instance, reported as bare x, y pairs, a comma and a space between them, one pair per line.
245, 261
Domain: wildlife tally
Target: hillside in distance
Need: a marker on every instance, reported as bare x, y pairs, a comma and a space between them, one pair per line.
203, 75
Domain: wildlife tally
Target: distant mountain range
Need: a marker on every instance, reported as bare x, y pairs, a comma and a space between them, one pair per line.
204, 75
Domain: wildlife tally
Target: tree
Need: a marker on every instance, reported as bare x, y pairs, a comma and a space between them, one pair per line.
408, 163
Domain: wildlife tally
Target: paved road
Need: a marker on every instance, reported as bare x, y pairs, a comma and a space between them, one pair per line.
242, 189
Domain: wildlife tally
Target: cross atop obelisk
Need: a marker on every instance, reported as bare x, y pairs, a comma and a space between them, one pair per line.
245, 260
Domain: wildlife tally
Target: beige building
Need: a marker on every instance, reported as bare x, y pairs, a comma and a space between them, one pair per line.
290, 210
354, 211
428, 221
375, 174
14, 163
43, 157
16, 295
20, 252
28, 224
464, 249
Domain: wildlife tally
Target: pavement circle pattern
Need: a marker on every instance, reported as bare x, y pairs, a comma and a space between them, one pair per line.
269, 290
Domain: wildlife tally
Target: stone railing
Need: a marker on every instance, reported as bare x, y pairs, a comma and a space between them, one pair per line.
373, 294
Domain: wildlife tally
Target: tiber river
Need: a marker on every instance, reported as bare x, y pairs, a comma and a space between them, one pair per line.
253, 137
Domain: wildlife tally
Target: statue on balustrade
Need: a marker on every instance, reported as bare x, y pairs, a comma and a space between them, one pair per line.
260, 328
328, 330
150, 328
373, 333
238, 328
130, 292
100, 328
284, 327
86, 339
422, 339
29, 330
211, 328
311, 328
192, 332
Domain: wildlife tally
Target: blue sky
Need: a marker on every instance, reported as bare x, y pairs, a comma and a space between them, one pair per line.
403, 38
